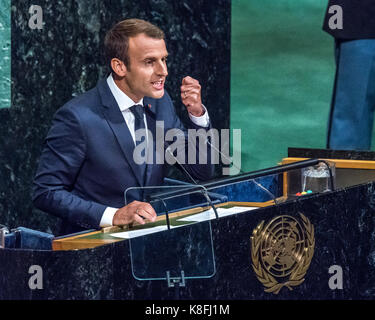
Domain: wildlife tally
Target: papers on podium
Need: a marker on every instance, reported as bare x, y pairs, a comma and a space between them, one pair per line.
210, 214
200, 217
138, 233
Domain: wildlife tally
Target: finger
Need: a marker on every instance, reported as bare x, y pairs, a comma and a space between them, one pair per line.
190, 87
146, 215
150, 209
139, 219
190, 90
191, 99
147, 211
184, 96
143, 214
195, 94
189, 80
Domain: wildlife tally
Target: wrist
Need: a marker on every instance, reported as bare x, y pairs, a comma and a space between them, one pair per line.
201, 113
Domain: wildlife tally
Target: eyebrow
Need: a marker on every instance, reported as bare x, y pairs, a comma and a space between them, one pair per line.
154, 58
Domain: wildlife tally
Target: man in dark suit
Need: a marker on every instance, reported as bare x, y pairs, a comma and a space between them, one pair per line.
88, 159
353, 99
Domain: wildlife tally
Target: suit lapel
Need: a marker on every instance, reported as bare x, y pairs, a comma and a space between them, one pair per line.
118, 125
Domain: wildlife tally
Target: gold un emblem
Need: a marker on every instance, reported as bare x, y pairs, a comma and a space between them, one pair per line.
282, 251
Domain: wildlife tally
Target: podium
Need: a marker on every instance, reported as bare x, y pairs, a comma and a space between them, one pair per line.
319, 246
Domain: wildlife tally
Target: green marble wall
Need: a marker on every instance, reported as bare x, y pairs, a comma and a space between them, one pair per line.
4, 53
282, 73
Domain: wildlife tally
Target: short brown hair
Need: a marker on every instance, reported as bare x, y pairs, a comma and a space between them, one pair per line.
116, 42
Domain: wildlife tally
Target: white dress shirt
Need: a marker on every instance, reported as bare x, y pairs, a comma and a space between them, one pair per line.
124, 103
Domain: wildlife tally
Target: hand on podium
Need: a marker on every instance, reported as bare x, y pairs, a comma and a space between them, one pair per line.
135, 211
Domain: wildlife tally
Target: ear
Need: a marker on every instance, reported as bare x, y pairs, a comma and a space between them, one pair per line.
118, 67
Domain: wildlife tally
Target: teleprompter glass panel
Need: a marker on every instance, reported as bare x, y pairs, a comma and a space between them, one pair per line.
179, 244
5, 58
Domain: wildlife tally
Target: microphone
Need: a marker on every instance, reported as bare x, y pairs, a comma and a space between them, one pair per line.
241, 171
209, 185
204, 191
230, 161
298, 166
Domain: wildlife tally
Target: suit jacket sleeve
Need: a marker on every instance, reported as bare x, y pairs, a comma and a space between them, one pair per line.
60, 162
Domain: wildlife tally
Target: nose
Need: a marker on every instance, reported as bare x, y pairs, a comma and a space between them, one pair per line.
162, 69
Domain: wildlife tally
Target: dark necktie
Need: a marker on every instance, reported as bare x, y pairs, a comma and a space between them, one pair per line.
138, 111
139, 123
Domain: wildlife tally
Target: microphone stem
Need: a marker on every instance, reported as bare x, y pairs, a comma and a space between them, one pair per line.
166, 213
204, 192
240, 170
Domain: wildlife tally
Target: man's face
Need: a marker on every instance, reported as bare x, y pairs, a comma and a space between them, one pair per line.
147, 70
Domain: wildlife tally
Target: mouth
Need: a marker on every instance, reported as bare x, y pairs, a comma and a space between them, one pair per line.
158, 85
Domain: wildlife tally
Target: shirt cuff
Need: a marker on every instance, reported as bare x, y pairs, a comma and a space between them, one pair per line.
107, 217
202, 121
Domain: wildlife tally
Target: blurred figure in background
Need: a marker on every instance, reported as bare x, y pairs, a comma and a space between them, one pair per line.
352, 24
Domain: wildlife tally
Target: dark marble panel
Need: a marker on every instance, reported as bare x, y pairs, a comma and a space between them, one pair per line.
344, 229
52, 65
65, 274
